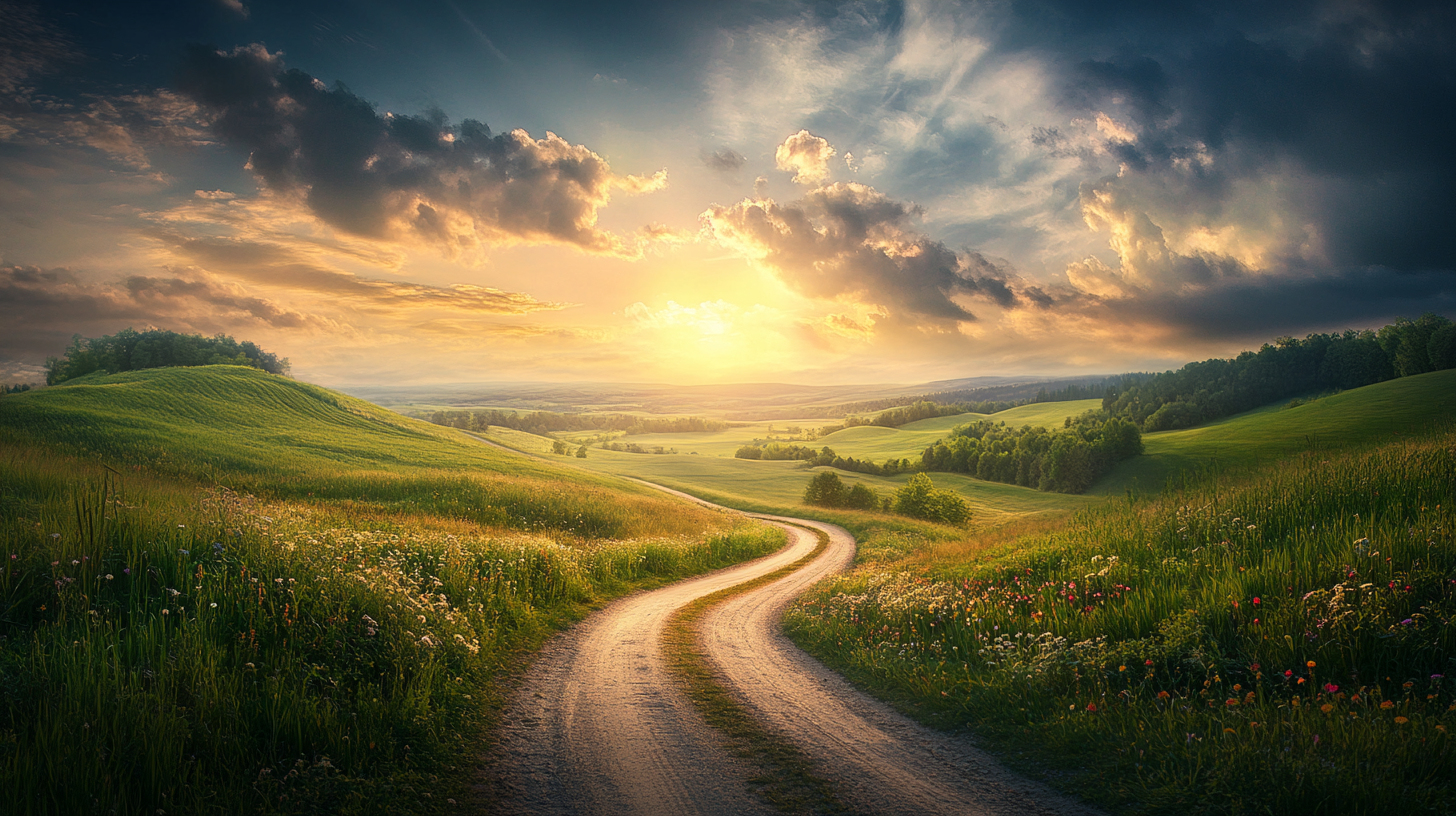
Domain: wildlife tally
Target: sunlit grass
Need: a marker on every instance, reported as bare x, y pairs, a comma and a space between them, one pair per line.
1278, 643
293, 629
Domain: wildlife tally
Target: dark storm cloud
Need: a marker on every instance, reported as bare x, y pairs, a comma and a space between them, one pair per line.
850, 240
1246, 309
385, 175
1359, 96
41, 308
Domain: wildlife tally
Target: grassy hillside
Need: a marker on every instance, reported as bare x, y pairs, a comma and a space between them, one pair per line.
228, 592
1279, 642
1273, 433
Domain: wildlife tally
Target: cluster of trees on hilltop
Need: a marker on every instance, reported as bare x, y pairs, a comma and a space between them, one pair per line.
825, 457
131, 350
1065, 460
6, 388
1208, 390
543, 423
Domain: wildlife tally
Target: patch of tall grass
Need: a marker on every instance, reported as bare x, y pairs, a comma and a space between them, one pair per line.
1277, 644
173, 647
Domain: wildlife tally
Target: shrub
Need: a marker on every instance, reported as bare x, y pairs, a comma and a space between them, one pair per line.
921, 499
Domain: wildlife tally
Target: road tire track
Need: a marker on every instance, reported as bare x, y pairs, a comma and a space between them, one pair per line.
600, 726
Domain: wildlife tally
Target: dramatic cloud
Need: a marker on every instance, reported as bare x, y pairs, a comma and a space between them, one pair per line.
806, 156
850, 241
1244, 310
1337, 117
285, 267
401, 177
41, 308
1145, 260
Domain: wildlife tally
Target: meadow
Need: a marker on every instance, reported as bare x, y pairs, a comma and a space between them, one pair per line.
778, 486
1271, 433
1276, 641
227, 592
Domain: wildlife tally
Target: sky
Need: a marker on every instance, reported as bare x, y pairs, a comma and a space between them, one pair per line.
446, 190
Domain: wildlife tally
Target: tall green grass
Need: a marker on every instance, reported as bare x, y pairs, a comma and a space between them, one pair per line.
1280, 643
319, 625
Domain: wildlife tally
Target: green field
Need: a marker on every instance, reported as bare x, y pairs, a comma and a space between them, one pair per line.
229, 592
1273, 433
780, 484
1278, 640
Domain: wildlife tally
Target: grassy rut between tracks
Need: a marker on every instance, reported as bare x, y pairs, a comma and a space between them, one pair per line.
786, 776
1279, 643
280, 630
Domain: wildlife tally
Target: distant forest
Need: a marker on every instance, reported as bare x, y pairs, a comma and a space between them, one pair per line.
543, 423
1201, 392
1065, 460
131, 350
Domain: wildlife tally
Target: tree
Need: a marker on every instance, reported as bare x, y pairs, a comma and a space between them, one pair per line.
921, 499
825, 490
581, 452
861, 497
558, 447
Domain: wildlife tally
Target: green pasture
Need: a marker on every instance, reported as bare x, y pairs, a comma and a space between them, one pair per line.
227, 592
780, 484
1273, 433
1275, 641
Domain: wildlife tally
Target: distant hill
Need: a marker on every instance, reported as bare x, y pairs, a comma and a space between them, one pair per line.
246, 427
1356, 417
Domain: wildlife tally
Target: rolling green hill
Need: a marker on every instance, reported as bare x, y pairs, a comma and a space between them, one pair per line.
1350, 418
238, 420
213, 572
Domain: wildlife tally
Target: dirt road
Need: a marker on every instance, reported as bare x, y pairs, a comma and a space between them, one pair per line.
599, 726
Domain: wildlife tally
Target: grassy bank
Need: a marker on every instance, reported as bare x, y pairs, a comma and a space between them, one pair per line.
1277, 643
293, 607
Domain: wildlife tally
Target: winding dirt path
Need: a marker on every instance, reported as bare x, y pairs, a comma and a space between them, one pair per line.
600, 727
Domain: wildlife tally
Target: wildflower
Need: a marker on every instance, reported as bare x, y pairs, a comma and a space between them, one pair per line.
1316, 739
55, 536
1122, 668
1401, 720
1327, 708
1092, 707
1230, 702
1310, 664
1288, 673
127, 571
109, 576
1406, 622
1163, 695
1148, 662
1257, 601
1331, 688
212, 605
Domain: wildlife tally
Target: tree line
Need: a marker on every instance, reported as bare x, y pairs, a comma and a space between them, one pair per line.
1064, 460
824, 457
131, 350
1203, 391
544, 423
